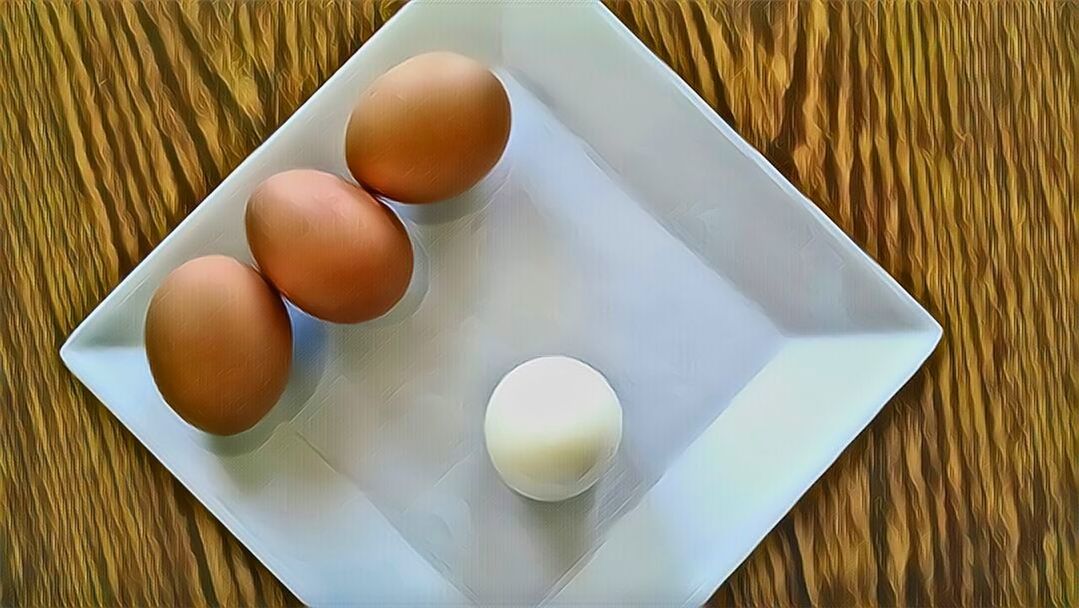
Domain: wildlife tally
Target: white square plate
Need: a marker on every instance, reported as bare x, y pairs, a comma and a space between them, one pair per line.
748, 338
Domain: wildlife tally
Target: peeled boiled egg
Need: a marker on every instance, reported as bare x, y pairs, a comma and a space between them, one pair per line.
553, 426
219, 344
328, 246
428, 129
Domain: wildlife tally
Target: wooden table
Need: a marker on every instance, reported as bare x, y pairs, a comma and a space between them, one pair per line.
942, 137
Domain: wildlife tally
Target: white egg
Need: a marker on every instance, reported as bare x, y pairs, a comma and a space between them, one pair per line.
553, 426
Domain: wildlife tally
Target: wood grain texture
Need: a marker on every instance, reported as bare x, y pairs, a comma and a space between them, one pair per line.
941, 136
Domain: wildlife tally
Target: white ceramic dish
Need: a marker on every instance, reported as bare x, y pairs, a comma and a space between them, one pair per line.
748, 338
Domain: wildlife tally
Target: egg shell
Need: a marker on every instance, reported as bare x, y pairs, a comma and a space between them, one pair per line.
552, 428
219, 344
328, 246
428, 129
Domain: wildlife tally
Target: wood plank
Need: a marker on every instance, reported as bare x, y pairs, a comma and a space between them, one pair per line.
941, 136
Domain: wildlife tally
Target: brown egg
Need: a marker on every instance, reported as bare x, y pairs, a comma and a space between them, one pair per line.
219, 344
334, 251
428, 129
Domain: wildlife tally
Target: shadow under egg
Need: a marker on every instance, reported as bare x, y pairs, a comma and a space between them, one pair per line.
414, 295
471, 201
569, 519
309, 357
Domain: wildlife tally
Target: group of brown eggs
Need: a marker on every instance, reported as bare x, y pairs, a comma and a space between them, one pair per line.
218, 336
